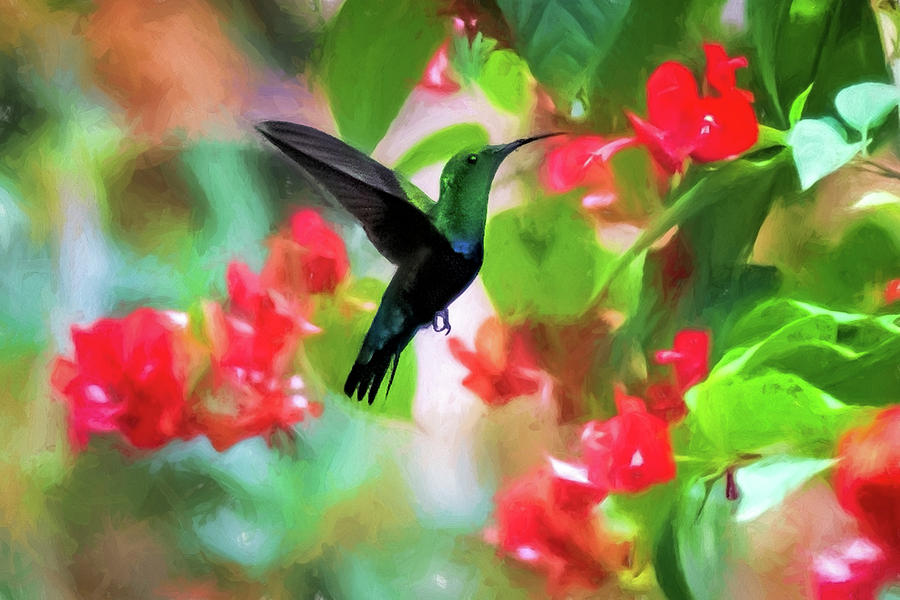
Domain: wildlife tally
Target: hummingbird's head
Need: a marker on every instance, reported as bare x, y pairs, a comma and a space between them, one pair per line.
468, 169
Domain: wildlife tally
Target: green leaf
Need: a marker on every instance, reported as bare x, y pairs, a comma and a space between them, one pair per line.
842, 45
564, 41
440, 146
373, 55
743, 415
849, 356
766, 483
819, 149
505, 80
532, 252
865, 105
798, 104
344, 320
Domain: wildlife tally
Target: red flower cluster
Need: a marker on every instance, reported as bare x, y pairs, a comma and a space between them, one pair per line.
629, 452
867, 484
544, 519
689, 358
681, 123
146, 378
502, 367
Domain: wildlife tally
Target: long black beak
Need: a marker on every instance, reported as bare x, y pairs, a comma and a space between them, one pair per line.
505, 149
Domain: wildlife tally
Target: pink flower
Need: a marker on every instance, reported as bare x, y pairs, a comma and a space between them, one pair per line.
437, 73
856, 569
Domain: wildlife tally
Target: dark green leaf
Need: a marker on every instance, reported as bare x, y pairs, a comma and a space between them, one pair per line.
362, 40
564, 41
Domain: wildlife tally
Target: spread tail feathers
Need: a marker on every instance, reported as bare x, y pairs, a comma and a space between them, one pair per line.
366, 377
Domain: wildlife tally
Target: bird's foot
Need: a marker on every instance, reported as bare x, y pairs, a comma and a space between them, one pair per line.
446, 317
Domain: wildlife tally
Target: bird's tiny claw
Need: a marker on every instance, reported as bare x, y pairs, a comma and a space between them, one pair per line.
446, 317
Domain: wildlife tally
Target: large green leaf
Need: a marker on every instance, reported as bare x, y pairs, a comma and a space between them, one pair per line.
373, 55
542, 261
756, 413
344, 320
842, 46
564, 41
852, 357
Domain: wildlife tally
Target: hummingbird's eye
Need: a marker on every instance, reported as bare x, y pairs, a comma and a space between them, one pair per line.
472, 158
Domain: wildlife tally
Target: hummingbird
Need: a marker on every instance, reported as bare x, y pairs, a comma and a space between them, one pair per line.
437, 247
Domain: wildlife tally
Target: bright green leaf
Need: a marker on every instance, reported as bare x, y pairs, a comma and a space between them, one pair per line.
798, 104
362, 39
819, 149
849, 356
534, 251
865, 105
564, 41
440, 146
766, 483
770, 409
504, 78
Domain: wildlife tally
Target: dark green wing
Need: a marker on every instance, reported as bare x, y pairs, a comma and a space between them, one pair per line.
371, 192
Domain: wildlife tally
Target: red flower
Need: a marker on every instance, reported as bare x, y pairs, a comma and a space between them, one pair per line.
867, 479
324, 261
855, 570
681, 123
892, 291
437, 73
128, 376
689, 356
247, 392
581, 162
629, 452
502, 366
544, 519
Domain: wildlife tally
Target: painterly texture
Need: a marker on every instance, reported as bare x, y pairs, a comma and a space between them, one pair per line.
674, 364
